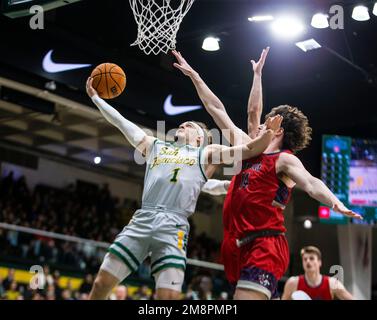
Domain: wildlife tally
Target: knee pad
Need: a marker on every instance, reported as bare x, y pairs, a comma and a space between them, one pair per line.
115, 266
171, 278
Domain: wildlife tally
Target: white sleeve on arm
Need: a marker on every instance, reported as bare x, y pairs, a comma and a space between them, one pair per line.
132, 132
216, 187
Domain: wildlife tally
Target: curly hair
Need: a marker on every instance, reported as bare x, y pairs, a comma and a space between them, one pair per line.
297, 133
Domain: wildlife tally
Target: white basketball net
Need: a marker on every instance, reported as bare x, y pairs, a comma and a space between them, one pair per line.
158, 23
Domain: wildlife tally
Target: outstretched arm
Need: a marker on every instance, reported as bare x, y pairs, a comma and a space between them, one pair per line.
216, 187
255, 103
219, 154
294, 169
212, 103
135, 136
289, 287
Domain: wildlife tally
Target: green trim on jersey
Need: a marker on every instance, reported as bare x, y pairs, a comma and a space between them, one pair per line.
200, 164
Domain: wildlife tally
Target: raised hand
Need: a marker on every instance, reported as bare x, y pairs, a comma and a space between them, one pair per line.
182, 64
258, 66
274, 123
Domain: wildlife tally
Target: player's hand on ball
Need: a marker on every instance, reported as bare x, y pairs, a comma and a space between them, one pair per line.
89, 88
182, 64
341, 208
274, 123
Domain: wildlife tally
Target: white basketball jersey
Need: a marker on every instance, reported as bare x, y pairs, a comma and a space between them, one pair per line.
174, 177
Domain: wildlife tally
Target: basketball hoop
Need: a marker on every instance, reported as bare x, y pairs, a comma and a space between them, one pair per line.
158, 23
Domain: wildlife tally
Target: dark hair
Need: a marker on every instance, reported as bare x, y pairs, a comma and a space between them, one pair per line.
311, 250
297, 133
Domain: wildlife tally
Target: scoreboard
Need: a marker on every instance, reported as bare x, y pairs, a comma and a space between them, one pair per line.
349, 169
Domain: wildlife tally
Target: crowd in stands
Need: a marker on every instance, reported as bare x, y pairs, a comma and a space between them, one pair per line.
86, 211
200, 288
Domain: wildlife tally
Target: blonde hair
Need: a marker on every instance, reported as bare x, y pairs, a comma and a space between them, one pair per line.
207, 133
311, 250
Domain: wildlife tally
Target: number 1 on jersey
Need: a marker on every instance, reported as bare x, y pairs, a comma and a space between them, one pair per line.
175, 175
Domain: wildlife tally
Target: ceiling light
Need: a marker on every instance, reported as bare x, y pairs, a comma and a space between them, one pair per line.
308, 224
287, 27
360, 13
308, 45
260, 18
211, 44
320, 21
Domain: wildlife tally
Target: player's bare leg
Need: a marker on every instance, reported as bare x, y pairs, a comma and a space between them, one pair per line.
102, 286
167, 294
246, 294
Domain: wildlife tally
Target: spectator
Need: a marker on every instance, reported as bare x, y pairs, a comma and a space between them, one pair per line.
86, 285
50, 293
37, 296
200, 289
9, 279
2, 289
143, 293
120, 293
67, 294
12, 293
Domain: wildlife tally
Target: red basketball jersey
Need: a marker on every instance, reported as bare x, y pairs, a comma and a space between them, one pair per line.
321, 292
256, 197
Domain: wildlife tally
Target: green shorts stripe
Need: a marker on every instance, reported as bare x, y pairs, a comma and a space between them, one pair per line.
128, 252
121, 257
168, 265
168, 257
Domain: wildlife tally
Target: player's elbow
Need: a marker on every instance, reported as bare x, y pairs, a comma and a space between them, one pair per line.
253, 109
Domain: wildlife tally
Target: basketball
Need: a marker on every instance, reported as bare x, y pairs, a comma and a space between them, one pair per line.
109, 80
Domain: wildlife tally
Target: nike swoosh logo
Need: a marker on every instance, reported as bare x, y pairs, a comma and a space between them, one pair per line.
173, 110
52, 67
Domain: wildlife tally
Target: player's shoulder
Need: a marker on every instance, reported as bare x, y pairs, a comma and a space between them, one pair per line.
286, 158
284, 155
292, 281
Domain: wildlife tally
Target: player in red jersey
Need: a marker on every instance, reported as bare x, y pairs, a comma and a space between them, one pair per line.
312, 282
253, 209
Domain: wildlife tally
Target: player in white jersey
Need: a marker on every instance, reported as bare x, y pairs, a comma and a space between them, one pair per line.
175, 174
